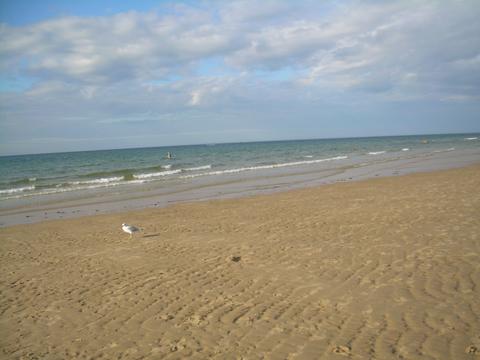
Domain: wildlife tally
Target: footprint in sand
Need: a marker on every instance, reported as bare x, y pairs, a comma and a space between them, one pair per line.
195, 320
472, 349
342, 350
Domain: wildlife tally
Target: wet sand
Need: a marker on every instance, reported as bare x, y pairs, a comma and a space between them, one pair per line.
385, 268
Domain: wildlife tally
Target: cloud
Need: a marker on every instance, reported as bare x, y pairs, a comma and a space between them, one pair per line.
195, 98
128, 46
143, 66
342, 47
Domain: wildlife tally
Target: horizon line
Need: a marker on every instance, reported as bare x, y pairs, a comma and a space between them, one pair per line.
236, 142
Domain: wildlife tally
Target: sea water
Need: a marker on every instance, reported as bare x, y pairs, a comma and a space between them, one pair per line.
30, 176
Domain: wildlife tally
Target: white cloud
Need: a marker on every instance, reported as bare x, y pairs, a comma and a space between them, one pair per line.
341, 47
104, 50
143, 66
195, 98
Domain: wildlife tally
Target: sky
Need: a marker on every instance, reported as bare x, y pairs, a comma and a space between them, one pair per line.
84, 75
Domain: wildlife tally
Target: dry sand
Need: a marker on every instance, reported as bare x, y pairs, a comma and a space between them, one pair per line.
382, 269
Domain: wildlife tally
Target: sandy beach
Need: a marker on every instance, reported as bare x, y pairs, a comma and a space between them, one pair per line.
386, 268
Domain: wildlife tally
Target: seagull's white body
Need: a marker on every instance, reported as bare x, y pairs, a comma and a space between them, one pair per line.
129, 229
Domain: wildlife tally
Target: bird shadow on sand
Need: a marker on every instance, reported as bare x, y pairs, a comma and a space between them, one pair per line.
151, 235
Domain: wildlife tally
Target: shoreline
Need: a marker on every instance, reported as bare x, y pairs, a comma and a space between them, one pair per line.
248, 184
385, 268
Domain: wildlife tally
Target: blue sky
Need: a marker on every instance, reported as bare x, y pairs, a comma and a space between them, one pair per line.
25, 12
110, 74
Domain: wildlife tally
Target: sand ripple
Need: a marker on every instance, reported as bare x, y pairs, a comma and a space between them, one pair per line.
382, 269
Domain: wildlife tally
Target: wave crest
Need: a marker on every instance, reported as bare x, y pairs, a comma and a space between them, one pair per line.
263, 167
17, 190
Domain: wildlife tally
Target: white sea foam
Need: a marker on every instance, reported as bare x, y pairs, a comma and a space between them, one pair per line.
444, 150
405, 149
205, 167
309, 156
86, 186
376, 152
97, 181
17, 190
59, 189
170, 172
262, 167
471, 138
136, 182
157, 174
166, 167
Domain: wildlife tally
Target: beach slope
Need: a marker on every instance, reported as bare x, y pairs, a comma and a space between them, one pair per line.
387, 268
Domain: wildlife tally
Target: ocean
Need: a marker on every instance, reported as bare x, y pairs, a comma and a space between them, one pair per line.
31, 176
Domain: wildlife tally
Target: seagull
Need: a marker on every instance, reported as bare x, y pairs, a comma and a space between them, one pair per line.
129, 229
